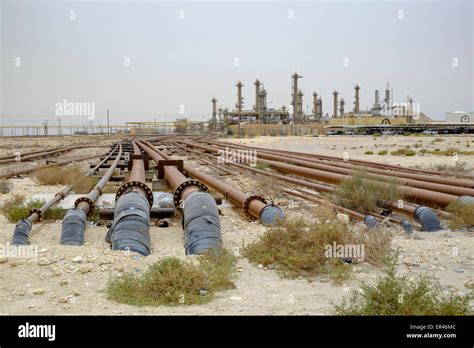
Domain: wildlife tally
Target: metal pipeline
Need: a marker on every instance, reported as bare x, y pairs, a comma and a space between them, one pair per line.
450, 186
29, 170
23, 227
134, 199
38, 155
454, 186
253, 205
201, 223
72, 231
414, 193
405, 208
333, 159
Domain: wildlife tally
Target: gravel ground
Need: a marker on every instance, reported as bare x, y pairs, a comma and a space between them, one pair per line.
71, 280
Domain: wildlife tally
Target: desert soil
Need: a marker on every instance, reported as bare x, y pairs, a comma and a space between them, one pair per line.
71, 280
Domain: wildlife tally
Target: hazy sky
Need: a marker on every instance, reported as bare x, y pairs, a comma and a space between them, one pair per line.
177, 61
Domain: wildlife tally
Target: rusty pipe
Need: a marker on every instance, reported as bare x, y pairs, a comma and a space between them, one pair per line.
338, 159
399, 172
134, 199
253, 205
23, 227
201, 221
421, 182
414, 193
86, 204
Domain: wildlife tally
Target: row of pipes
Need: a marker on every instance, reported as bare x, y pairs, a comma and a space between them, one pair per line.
200, 216
428, 188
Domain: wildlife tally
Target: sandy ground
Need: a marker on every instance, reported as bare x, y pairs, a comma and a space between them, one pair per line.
356, 146
71, 280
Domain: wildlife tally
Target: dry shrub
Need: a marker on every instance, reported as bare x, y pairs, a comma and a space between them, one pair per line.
377, 243
67, 175
171, 281
393, 294
360, 193
325, 212
461, 215
297, 247
456, 169
403, 152
15, 209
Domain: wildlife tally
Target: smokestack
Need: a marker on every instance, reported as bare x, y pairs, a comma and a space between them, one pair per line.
295, 101
263, 99
214, 110
262, 105
240, 100
377, 99
335, 93
300, 105
387, 99
320, 108
315, 103
341, 107
356, 102
257, 95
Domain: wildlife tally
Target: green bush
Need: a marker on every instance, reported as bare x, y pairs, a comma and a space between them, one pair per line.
393, 294
171, 281
15, 209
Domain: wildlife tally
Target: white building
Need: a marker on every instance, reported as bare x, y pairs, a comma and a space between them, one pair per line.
460, 117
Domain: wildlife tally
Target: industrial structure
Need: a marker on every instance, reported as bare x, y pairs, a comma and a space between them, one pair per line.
382, 112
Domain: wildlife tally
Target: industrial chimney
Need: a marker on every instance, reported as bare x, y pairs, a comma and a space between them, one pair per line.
262, 102
300, 105
315, 103
335, 93
320, 108
240, 100
214, 111
387, 100
377, 99
295, 101
357, 100
341, 107
257, 95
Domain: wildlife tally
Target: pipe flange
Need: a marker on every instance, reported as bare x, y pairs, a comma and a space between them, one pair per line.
126, 187
61, 194
250, 198
89, 201
180, 188
37, 211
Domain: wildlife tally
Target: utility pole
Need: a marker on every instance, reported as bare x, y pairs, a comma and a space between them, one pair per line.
45, 124
59, 129
108, 122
